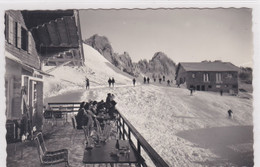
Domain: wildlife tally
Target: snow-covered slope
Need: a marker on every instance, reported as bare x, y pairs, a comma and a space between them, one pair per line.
99, 69
185, 130
96, 68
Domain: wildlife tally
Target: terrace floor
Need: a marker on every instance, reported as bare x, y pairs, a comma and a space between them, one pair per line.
56, 137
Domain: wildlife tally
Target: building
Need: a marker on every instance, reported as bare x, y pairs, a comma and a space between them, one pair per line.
23, 78
31, 39
208, 76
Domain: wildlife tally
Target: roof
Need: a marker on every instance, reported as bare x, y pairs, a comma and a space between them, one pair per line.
209, 66
53, 31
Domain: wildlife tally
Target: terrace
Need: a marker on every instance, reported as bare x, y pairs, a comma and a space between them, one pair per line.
59, 133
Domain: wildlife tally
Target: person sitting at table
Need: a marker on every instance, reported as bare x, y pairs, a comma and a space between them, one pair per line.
78, 117
112, 110
101, 107
94, 107
108, 100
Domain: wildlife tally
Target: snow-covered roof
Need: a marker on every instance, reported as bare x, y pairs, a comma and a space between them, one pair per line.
209, 66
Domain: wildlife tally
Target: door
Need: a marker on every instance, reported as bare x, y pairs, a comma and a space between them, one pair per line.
203, 87
198, 87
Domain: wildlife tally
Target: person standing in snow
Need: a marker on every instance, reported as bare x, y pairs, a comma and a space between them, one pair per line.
191, 91
148, 80
168, 82
134, 81
230, 113
160, 80
221, 92
163, 78
87, 83
113, 81
144, 80
154, 79
109, 82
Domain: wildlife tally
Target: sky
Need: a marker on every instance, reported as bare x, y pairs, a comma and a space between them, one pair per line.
184, 35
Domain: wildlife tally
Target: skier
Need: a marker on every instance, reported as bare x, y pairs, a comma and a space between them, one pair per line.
113, 81
109, 82
221, 92
87, 83
163, 78
134, 81
148, 79
144, 80
230, 113
191, 91
168, 82
160, 80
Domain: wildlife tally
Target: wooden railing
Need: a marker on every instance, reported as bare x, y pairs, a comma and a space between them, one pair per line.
67, 106
141, 142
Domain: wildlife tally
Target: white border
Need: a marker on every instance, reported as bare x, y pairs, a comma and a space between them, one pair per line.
131, 4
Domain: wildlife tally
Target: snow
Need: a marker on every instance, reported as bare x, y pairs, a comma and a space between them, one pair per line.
97, 69
185, 130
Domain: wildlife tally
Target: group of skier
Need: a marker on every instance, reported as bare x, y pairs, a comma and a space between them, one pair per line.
111, 82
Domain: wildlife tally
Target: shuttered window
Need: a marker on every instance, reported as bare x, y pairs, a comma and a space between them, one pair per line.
29, 42
10, 30
19, 36
6, 27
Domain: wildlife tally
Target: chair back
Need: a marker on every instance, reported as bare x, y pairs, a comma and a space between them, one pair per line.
107, 130
40, 146
47, 114
99, 130
73, 122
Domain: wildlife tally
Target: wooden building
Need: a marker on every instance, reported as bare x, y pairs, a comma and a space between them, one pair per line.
23, 78
208, 76
31, 38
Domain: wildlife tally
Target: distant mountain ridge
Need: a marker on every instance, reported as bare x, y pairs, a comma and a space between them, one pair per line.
159, 65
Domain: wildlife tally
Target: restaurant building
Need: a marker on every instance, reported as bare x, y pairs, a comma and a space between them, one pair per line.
208, 76
32, 38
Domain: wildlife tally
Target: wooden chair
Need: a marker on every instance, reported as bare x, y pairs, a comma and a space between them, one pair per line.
105, 133
48, 158
48, 116
76, 129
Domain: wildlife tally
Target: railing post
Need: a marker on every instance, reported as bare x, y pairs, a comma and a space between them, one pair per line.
129, 134
138, 147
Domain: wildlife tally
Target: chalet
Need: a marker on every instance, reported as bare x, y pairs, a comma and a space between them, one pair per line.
33, 38
208, 76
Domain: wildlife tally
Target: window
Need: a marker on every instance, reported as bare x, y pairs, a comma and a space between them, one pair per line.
209, 86
234, 86
218, 78
193, 75
229, 76
206, 77
24, 40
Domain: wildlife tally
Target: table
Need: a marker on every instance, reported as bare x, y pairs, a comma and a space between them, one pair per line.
102, 154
